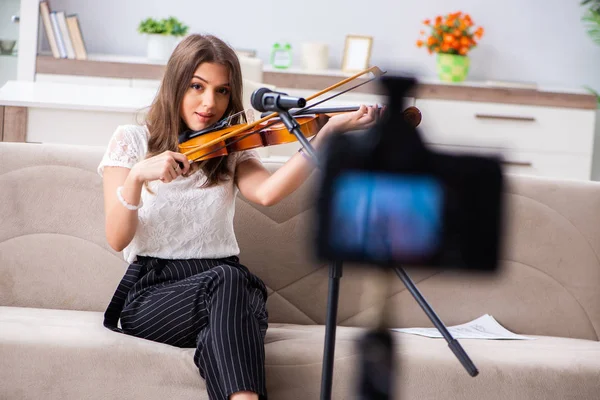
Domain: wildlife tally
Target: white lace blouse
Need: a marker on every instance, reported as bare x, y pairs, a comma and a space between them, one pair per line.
180, 220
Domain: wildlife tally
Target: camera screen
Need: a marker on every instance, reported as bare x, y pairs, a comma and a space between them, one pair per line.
384, 217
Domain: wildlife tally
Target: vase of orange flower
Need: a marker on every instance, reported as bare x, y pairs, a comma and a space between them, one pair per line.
452, 37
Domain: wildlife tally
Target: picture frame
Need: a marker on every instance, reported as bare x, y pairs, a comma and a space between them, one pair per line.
357, 53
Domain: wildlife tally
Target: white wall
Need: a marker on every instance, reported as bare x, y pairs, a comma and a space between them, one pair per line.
8, 69
526, 40
8, 29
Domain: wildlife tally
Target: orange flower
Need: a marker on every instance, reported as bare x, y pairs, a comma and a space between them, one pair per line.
452, 33
479, 32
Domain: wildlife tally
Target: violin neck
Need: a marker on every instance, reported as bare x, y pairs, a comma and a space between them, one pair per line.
326, 110
318, 110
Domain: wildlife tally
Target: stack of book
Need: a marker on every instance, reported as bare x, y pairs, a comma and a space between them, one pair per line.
63, 33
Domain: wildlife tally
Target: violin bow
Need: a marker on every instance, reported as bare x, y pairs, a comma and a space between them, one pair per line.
376, 71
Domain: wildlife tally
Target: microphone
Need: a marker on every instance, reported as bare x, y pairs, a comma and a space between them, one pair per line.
265, 99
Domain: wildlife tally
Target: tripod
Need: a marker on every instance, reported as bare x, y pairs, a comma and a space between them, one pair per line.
335, 274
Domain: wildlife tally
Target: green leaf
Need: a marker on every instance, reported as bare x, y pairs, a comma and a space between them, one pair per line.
594, 5
591, 21
167, 26
595, 93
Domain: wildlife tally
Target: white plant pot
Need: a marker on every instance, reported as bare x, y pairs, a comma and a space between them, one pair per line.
160, 47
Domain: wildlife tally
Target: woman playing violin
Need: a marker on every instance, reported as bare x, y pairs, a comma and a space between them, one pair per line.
185, 285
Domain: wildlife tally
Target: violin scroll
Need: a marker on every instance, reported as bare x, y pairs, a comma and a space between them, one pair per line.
412, 115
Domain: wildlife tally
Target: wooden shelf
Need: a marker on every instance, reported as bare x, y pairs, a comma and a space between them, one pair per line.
530, 97
100, 68
139, 68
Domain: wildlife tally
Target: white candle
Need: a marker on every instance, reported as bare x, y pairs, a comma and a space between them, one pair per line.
315, 56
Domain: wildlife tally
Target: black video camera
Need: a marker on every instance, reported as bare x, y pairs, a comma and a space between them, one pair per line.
386, 199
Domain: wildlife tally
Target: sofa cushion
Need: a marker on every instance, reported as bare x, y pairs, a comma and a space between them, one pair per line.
63, 354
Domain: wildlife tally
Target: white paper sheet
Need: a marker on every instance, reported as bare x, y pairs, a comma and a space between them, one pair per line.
484, 327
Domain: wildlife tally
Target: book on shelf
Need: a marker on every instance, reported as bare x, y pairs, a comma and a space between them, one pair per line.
45, 14
63, 32
59, 39
76, 37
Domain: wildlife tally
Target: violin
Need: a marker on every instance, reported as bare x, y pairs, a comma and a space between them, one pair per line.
220, 140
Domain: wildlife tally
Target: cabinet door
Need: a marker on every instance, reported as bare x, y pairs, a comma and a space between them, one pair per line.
507, 126
555, 165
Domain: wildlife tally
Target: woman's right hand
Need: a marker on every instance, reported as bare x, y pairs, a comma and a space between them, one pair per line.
163, 167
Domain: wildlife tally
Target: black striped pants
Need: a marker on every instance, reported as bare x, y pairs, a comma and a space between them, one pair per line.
214, 305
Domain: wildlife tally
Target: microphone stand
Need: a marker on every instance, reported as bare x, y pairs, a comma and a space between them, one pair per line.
292, 125
335, 274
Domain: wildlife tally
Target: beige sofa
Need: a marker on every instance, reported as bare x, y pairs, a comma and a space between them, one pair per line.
57, 275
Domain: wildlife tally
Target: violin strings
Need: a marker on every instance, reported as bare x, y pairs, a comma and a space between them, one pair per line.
228, 144
244, 136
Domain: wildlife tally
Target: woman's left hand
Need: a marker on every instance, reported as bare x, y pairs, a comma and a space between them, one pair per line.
363, 118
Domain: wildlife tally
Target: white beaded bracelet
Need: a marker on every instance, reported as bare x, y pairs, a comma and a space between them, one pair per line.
125, 203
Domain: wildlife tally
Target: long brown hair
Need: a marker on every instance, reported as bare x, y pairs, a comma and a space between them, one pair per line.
164, 120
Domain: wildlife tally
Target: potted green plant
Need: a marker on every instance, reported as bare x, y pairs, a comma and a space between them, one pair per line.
162, 35
591, 18
452, 37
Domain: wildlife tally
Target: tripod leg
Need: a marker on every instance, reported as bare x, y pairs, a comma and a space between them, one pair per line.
456, 348
335, 273
376, 366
